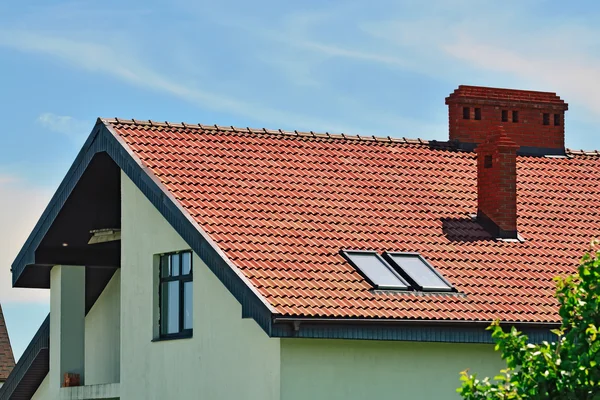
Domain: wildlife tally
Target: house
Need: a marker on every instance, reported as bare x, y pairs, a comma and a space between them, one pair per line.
7, 360
194, 261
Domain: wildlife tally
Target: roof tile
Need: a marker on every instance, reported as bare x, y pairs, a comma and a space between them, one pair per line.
282, 205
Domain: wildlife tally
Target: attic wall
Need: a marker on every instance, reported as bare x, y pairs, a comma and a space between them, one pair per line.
228, 357
361, 369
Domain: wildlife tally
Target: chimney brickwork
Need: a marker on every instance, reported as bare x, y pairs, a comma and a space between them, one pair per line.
497, 184
535, 121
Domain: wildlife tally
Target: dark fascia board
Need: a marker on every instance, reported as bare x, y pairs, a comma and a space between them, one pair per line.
39, 343
403, 330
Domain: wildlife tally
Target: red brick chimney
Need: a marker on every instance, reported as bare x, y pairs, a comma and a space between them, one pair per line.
497, 184
535, 121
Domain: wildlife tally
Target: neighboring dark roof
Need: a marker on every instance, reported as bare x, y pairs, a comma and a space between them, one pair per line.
7, 360
32, 367
506, 95
281, 206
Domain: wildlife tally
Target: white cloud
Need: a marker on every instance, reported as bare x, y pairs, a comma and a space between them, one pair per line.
20, 208
66, 125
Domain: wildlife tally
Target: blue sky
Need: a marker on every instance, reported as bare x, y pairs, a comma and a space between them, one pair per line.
371, 67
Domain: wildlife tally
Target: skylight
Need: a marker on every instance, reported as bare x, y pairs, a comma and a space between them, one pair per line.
376, 269
418, 272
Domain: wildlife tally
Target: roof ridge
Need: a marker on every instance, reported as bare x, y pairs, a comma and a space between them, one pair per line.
589, 153
280, 132
322, 135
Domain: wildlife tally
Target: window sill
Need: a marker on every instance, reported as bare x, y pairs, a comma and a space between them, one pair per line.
173, 337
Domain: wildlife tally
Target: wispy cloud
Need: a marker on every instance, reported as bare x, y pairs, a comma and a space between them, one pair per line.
64, 124
123, 64
20, 207
573, 75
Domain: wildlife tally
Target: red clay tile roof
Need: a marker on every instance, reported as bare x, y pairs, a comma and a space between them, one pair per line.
482, 92
281, 205
7, 360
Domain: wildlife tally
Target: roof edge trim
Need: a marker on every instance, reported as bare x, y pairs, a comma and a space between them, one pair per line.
448, 331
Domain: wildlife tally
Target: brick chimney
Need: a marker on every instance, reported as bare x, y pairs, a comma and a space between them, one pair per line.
535, 121
497, 184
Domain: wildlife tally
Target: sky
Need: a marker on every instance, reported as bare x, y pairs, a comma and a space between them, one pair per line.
378, 67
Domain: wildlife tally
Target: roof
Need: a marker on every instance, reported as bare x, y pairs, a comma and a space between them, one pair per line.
7, 360
507, 95
281, 206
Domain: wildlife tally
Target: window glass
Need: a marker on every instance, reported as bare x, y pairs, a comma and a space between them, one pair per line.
175, 264
165, 269
419, 271
376, 269
186, 263
170, 307
188, 305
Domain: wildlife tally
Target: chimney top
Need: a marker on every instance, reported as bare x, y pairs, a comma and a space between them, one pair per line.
535, 120
501, 96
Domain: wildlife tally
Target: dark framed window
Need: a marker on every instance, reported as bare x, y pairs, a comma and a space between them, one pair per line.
176, 295
466, 113
546, 119
478, 114
556, 119
504, 115
515, 115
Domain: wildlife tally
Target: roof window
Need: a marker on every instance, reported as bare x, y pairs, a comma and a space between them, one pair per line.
375, 269
418, 272
397, 271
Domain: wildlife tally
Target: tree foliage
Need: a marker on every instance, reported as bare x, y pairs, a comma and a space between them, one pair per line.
565, 369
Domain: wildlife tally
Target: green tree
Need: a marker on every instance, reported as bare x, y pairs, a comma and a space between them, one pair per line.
565, 369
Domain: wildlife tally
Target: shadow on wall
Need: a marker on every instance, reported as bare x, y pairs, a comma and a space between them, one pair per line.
464, 230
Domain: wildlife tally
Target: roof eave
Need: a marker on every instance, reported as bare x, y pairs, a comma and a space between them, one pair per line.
448, 331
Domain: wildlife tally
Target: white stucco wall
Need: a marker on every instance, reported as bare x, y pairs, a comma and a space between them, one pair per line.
43, 391
103, 336
358, 370
227, 358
